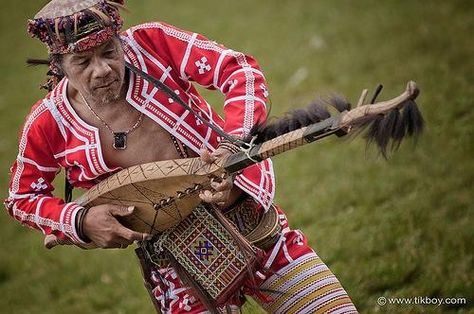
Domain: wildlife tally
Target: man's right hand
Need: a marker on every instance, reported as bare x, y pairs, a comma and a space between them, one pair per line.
102, 227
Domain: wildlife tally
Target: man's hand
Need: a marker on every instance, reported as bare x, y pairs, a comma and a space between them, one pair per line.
102, 227
223, 193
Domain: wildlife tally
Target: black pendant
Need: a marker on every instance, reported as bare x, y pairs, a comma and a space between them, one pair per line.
120, 140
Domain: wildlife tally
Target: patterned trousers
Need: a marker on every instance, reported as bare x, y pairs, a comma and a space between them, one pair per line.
292, 280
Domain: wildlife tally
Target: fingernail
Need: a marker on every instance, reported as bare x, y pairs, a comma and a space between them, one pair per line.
130, 209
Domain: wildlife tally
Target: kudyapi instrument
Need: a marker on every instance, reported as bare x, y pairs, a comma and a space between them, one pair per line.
166, 192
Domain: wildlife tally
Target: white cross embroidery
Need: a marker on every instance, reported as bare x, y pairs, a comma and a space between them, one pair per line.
39, 185
186, 302
232, 84
264, 89
202, 65
170, 100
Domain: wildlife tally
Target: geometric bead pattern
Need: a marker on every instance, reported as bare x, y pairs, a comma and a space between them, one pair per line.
206, 250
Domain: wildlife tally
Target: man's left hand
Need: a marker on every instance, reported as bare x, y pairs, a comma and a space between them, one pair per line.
223, 193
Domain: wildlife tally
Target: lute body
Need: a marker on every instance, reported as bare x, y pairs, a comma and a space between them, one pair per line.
163, 192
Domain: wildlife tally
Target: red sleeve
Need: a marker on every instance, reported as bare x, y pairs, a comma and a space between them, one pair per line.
196, 58
30, 198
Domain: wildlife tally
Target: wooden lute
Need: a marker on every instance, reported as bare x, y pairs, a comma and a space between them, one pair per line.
166, 192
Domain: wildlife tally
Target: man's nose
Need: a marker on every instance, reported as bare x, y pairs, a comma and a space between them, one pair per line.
101, 68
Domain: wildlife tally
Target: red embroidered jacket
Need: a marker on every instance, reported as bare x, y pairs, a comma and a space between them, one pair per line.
55, 137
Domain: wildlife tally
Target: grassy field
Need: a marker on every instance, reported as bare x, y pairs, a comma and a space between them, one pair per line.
397, 228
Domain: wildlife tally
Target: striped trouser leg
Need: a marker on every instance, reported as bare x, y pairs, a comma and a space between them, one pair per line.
306, 285
297, 280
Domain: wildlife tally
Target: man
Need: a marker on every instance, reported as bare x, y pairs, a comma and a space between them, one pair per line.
100, 118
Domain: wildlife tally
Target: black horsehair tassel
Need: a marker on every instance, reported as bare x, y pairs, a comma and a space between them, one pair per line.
298, 118
386, 131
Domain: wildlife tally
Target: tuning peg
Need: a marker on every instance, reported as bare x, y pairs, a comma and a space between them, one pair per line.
362, 97
377, 93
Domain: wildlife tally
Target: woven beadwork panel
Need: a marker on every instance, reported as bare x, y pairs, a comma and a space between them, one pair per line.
206, 250
245, 216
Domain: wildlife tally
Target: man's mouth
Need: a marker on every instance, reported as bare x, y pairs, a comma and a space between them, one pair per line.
105, 85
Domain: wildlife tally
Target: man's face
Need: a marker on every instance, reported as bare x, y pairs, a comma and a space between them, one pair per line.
99, 73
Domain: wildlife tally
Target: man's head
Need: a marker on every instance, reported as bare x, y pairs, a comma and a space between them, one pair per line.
81, 36
97, 73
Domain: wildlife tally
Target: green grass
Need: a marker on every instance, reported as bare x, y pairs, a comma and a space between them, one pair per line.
398, 228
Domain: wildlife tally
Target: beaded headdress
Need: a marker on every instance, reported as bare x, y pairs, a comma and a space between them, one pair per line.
69, 26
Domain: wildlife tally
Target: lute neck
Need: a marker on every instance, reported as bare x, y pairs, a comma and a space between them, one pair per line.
339, 125
283, 143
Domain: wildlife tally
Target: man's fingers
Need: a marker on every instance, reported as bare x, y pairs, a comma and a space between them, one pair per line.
209, 197
206, 156
122, 211
123, 237
224, 185
138, 236
130, 236
209, 157
206, 196
221, 152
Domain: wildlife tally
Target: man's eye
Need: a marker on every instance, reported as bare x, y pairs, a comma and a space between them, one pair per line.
109, 53
82, 62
